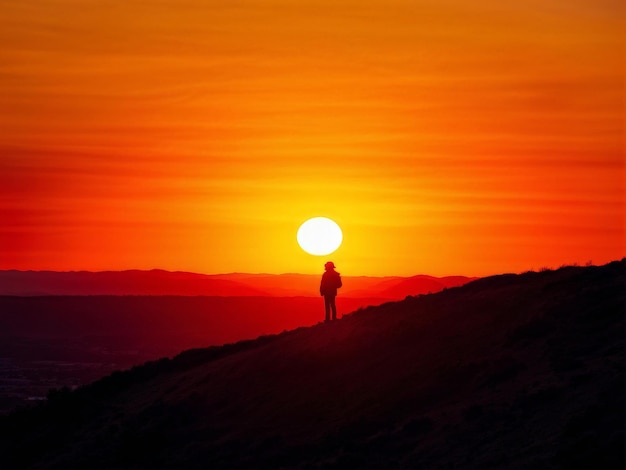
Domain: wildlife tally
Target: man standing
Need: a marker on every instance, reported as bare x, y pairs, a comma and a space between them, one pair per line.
331, 281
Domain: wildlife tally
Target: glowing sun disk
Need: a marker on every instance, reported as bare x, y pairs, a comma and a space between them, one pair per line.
319, 236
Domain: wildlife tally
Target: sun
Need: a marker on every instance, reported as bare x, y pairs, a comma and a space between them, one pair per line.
319, 236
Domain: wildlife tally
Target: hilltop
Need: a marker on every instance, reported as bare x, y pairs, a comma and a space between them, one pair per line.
511, 371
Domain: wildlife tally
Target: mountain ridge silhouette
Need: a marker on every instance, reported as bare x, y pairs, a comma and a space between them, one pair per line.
160, 282
511, 371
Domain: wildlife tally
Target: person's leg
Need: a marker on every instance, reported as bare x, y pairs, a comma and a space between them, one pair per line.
327, 300
333, 306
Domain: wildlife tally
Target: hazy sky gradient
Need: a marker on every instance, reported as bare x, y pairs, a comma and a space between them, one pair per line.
444, 137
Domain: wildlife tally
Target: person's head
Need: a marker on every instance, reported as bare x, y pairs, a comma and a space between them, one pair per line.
330, 265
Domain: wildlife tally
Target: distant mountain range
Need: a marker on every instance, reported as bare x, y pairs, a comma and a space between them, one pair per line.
159, 282
510, 371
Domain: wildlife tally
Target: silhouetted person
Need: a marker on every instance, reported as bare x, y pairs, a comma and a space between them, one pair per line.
331, 281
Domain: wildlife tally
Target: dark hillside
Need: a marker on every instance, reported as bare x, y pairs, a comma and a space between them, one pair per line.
512, 371
55, 341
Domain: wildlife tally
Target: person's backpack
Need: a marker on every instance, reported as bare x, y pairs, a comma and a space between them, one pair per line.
338, 281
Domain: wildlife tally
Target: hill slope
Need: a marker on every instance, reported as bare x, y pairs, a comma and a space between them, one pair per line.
513, 371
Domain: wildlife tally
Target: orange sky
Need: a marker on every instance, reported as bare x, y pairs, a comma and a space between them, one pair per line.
445, 137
